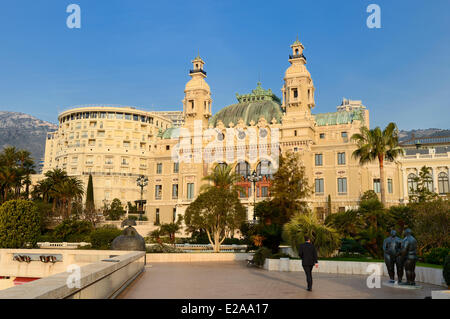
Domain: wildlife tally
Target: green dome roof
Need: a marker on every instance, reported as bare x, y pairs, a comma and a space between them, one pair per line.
340, 117
251, 107
170, 133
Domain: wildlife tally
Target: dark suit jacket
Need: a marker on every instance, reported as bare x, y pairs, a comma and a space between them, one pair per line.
307, 252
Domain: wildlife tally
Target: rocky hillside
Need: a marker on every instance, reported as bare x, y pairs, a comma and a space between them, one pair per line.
25, 132
406, 135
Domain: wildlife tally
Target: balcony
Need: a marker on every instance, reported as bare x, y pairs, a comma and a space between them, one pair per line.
197, 71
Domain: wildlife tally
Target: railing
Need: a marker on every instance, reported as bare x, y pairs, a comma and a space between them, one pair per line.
197, 71
202, 247
63, 245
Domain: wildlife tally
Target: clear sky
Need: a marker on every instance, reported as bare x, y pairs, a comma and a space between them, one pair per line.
138, 53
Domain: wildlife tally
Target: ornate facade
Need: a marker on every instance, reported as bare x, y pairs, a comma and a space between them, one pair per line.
175, 151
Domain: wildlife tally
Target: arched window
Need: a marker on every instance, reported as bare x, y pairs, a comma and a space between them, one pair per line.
243, 169
221, 165
428, 181
265, 168
412, 183
443, 183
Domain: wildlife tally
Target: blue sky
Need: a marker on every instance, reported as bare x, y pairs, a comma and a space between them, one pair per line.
138, 53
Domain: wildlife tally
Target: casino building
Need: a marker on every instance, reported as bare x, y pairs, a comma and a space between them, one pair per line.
118, 144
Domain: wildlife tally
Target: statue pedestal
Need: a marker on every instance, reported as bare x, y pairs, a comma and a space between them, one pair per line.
396, 285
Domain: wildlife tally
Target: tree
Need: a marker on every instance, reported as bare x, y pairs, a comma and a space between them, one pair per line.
218, 211
101, 238
90, 194
224, 177
348, 223
20, 224
325, 239
171, 229
377, 144
431, 224
290, 187
16, 166
424, 190
114, 211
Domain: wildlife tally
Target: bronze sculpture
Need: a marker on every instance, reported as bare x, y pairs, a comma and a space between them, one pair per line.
408, 254
130, 239
392, 258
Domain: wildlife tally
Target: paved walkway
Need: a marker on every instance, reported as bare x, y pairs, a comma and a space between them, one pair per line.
228, 280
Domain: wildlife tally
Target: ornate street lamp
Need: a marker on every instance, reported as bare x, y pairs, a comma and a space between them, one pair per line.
254, 178
142, 181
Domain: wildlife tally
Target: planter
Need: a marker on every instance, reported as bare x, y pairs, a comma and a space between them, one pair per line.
284, 264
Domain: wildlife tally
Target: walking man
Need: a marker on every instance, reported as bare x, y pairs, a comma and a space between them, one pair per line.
307, 253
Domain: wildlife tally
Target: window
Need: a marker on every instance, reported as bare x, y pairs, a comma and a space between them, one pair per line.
429, 183
322, 136
342, 185
243, 169
412, 183
295, 93
157, 216
264, 168
135, 117
319, 159
159, 168
319, 186
344, 134
295, 132
174, 214
242, 193
127, 116
264, 191
389, 184
341, 158
176, 167
174, 191
376, 185
443, 183
158, 191
190, 190
119, 116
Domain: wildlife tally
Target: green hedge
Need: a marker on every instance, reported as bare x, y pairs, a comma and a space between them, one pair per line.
436, 255
20, 224
101, 238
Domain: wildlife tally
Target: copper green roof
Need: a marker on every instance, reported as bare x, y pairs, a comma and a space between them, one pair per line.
340, 117
170, 133
251, 107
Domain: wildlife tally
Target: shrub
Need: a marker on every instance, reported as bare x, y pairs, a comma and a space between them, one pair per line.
351, 246
162, 248
73, 230
20, 224
101, 238
436, 255
446, 270
325, 239
260, 255
133, 217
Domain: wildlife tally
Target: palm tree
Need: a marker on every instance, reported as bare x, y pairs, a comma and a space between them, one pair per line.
222, 176
377, 144
68, 191
326, 239
8, 180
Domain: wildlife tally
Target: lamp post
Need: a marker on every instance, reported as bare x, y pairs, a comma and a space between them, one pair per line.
142, 181
254, 178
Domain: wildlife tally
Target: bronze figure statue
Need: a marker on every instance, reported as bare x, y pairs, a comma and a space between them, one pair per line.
392, 258
408, 254
130, 239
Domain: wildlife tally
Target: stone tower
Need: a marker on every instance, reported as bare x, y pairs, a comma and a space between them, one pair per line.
197, 99
298, 96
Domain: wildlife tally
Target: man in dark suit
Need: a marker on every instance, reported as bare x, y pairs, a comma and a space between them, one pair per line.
307, 252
